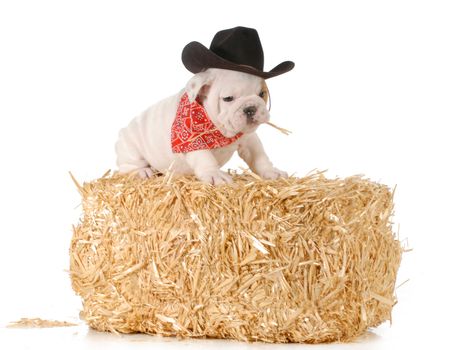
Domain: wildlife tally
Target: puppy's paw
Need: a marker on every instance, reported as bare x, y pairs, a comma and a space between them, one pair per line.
215, 177
273, 173
145, 173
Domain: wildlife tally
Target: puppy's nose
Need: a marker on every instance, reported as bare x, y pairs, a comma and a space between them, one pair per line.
250, 111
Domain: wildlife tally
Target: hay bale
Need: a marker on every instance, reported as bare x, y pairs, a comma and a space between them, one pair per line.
291, 260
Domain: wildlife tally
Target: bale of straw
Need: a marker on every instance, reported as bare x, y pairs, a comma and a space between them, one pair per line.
291, 260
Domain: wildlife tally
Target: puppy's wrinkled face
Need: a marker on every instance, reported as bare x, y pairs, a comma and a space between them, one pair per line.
234, 101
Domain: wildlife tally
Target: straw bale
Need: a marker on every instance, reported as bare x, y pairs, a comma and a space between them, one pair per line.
290, 260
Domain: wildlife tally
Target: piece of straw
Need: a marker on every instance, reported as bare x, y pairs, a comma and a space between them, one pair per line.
282, 130
39, 323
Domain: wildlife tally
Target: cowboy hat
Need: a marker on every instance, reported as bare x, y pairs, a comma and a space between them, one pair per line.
236, 49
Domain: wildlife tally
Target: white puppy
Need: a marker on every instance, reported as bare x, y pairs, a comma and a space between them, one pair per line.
235, 102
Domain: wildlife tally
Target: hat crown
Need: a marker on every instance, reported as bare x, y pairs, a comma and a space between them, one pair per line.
239, 45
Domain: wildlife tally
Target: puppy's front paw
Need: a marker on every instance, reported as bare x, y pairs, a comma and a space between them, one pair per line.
145, 173
215, 177
273, 173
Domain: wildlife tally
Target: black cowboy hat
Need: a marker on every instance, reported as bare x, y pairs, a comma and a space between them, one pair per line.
236, 49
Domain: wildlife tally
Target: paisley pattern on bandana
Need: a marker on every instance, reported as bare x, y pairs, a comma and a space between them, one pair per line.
192, 129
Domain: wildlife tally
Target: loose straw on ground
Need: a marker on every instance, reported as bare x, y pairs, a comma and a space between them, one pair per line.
39, 323
305, 260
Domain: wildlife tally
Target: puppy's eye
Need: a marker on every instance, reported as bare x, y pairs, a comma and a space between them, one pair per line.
262, 94
228, 98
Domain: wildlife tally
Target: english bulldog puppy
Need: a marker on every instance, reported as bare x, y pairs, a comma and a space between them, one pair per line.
197, 130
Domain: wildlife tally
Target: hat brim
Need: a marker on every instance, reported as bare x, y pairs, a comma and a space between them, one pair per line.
196, 57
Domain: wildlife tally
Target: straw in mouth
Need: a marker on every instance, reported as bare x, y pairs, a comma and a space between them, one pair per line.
282, 130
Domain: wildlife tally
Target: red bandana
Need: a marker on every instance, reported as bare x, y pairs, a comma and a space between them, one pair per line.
192, 130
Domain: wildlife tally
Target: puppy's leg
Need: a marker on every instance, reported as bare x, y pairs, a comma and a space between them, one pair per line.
252, 152
130, 160
206, 167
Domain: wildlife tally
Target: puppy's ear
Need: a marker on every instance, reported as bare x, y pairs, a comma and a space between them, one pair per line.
198, 85
265, 89
267, 99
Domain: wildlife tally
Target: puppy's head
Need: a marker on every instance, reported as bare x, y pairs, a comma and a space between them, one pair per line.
234, 101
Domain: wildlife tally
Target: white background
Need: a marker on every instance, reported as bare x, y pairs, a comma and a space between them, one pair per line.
385, 89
